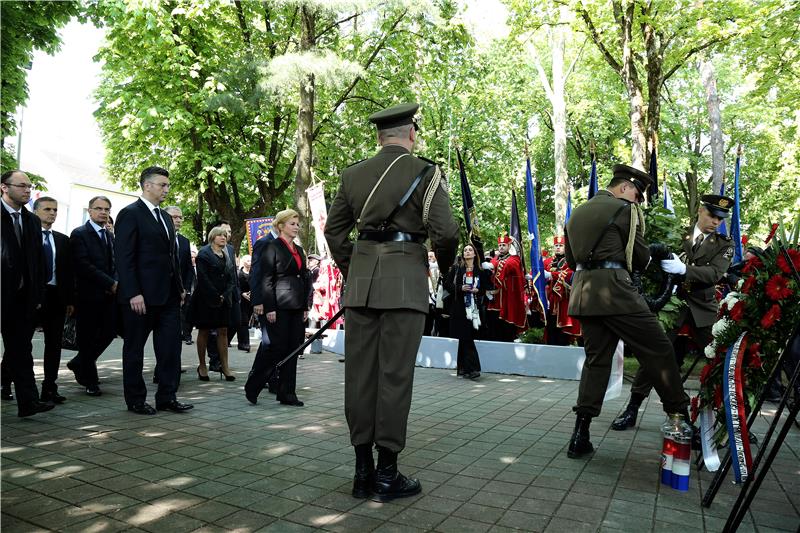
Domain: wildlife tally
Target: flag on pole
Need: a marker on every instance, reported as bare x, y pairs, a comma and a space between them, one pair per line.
514, 230
722, 229
668, 199
470, 214
593, 178
652, 191
736, 230
537, 265
569, 207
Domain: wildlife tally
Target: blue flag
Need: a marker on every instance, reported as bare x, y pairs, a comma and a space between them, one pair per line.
514, 230
569, 208
668, 200
537, 265
736, 230
652, 191
722, 229
593, 178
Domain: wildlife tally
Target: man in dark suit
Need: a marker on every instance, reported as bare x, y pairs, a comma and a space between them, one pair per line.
186, 268
150, 294
58, 297
92, 251
22, 281
604, 244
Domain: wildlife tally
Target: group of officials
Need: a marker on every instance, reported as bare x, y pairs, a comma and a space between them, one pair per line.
395, 202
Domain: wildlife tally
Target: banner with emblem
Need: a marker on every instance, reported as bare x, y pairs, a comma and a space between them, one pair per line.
255, 228
319, 214
537, 264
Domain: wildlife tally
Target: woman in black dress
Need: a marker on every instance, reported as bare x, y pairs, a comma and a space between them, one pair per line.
243, 331
286, 290
467, 282
211, 302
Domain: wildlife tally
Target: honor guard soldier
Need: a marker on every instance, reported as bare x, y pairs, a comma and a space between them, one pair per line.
395, 201
707, 257
605, 243
561, 328
507, 307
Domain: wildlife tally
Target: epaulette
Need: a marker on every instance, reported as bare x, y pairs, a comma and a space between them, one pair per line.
428, 160
723, 237
354, 164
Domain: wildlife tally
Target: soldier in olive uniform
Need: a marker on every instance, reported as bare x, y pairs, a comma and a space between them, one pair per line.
605, 243
395, 201
708, 255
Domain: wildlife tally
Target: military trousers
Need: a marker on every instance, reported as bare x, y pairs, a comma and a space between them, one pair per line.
701, 337
380, 353
649, 344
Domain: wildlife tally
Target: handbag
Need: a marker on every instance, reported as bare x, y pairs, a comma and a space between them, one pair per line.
69, 339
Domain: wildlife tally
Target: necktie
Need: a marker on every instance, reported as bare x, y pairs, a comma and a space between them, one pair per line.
17, 227
697, 242
106, 245
48, 256
103, 236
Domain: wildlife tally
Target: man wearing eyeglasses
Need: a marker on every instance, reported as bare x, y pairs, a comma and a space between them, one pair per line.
604, 244
22, 290
92, 251
150, 295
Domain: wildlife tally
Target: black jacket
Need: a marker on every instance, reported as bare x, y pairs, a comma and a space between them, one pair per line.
92, 263
21, 264
256, 296
65, 280
283, 285
145, 256
214, 279
185, 263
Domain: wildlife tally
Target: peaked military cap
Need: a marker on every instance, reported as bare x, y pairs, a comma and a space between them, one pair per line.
641, 180
717, 205
398, 115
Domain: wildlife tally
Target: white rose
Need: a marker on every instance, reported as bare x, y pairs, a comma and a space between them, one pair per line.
740, 283
719, 326
710, 351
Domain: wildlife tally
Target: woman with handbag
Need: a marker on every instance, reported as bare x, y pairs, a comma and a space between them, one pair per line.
212, 298
467, 282
286, 289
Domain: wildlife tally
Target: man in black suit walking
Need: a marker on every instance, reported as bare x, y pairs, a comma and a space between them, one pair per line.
92, 251
257, 299
150, 294
58, 296
186, 268
22, 282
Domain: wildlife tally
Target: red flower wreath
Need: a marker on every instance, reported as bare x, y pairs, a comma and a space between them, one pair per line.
737, 313
754, 263
778, 287
783, 264
771, 316
748, 284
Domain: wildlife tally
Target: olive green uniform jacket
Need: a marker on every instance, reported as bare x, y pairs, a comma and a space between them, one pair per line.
604, 292
389, 275
704, 268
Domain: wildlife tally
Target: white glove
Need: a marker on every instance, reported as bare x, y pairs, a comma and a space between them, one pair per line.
487, 265
528, 277
547, 275
673, 266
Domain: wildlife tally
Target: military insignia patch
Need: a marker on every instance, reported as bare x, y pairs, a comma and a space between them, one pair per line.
728, 252
723, 202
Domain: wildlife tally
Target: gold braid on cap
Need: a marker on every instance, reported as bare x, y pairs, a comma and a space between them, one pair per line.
430, 192
637, 219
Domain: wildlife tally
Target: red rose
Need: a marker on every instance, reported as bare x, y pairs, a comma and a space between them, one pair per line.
705, 372
722, 310
778, 287
754, 263
695, 410
783, 264
737, 313
756, 362
771, 316
754, 348
748, 284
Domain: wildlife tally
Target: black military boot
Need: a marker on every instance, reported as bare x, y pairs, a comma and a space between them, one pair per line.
579, 444
627, 419
697, 444
365, 471
390, 484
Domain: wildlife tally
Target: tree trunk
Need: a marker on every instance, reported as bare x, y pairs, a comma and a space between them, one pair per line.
559, 123
630, 77
715, 124
305, 124
655, 73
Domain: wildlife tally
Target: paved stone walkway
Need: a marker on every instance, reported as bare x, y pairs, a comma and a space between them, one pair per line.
490, 455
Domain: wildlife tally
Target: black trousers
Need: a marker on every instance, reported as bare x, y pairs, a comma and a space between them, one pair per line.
164, 322
285, 334
467, 360
648, 342
51, 317
96, 327
499, 329
17, 366
186, 326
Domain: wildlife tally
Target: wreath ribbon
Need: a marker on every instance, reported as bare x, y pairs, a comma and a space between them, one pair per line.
733, 402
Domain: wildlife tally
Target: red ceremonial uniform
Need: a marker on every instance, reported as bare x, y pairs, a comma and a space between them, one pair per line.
559, 288
509, 300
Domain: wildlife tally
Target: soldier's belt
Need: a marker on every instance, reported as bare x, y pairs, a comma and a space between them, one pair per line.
597, 265
694, 286
390, 236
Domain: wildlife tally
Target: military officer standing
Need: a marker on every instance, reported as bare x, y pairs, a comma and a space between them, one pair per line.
395, 201
605, 243
708, 255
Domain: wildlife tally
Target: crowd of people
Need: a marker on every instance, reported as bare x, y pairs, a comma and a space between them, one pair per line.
141, 277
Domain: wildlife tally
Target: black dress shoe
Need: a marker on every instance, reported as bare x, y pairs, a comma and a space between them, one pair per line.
143, 408
579, 444
93, 390
71, 365
291, 400
244, 348
5, 394
175, 406
33, 408
52, 396
188, 342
